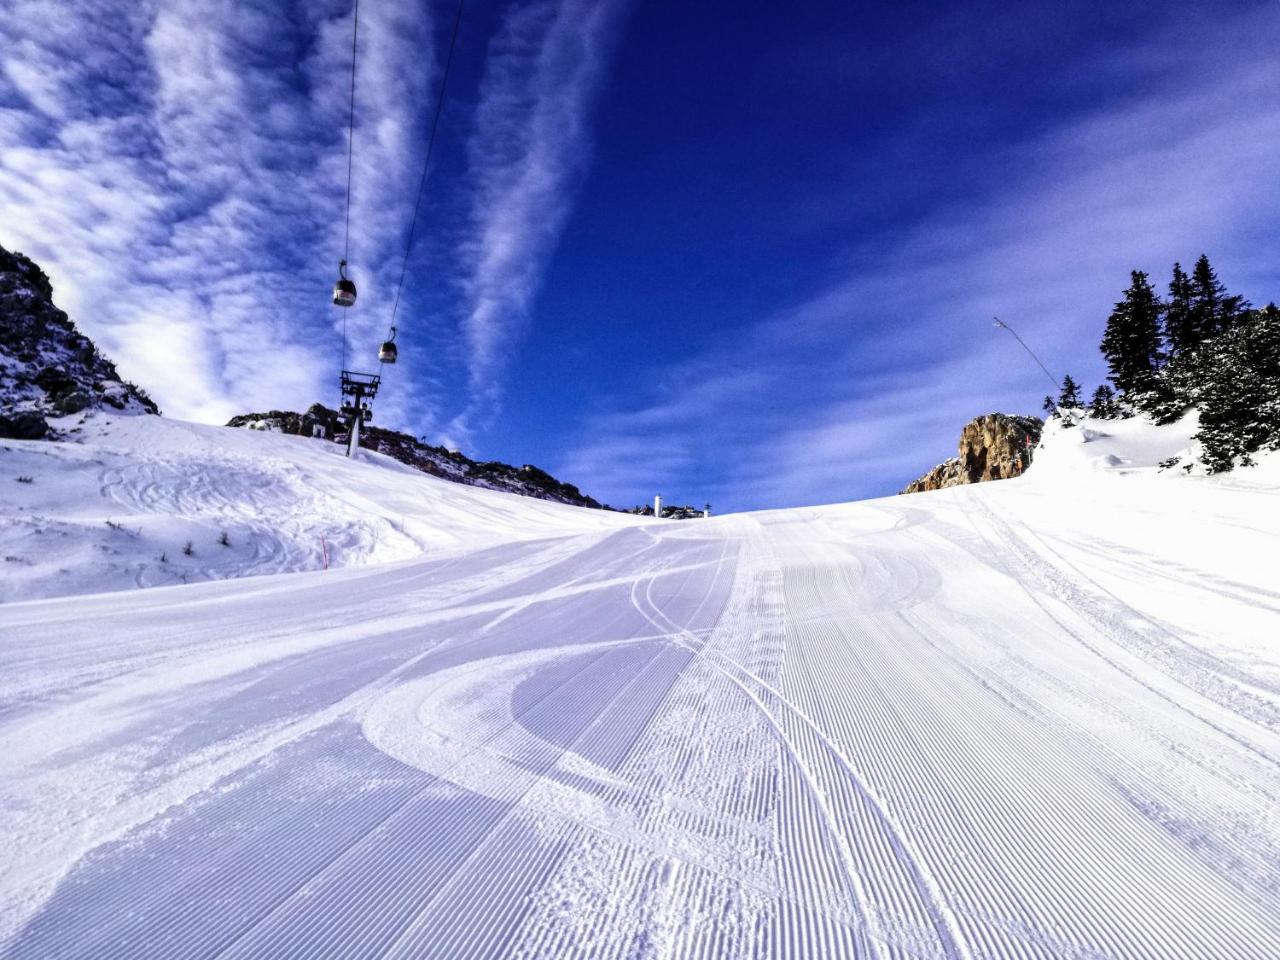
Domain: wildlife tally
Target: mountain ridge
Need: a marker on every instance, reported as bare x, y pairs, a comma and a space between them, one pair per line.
325, 423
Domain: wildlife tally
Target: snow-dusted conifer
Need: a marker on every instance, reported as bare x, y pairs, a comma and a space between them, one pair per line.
1180, 330
1103, 403
1239, 397
1212, 309
1131, 343
1069, 396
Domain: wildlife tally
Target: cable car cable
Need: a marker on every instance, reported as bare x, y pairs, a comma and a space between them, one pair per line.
344, 290
351, 131
431, 141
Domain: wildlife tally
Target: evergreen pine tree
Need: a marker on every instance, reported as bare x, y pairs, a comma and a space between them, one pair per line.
1131, 343
1212, 309
1069, 397
1103, 403
1240, 391
1050, 406
1180, 331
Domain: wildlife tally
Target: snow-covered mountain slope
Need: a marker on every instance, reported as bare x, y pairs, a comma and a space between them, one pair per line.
1036, 718
48, 368
117, 508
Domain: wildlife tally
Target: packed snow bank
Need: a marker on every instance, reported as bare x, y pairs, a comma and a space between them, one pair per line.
1072, 449
117, 508
1135, 444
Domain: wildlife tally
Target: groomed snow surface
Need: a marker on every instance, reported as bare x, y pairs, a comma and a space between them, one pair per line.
1034, 718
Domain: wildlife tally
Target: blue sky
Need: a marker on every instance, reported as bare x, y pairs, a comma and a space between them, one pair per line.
741, 253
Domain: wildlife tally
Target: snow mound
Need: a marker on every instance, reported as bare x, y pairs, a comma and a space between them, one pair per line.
1083, 444
148, 501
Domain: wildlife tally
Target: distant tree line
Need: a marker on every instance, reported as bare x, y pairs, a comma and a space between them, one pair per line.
1198, 347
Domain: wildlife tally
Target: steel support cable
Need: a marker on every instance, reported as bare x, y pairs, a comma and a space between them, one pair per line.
351, 150
351, 131
426, 164
1004, 326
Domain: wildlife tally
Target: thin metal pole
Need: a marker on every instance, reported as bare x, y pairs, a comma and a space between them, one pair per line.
353, 437
1053, 380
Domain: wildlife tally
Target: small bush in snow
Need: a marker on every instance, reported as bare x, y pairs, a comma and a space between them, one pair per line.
25, 479
188, 548
224, 539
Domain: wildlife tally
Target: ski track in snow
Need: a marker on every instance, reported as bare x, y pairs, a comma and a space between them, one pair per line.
953, 726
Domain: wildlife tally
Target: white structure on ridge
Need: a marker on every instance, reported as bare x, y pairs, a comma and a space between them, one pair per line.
657, 505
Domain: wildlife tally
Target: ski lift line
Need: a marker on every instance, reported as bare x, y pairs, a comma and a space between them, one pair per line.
344, 290
351, 132
422, 183
1004, 326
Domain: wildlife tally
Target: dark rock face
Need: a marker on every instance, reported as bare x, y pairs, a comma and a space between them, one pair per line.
318, 420
72, 401
47, 367
996, 446
23, 426
322, 422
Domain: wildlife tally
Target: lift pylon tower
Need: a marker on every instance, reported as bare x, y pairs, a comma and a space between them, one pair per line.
358, 391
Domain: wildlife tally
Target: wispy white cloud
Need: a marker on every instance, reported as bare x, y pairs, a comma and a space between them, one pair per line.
527, 153
180, 168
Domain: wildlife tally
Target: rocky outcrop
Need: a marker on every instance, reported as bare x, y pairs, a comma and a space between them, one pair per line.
317, 421
48, 369
322, 422
945, 474
992, 447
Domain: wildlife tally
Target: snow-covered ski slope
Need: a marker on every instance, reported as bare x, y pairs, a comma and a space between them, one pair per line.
116, 508
1029, 719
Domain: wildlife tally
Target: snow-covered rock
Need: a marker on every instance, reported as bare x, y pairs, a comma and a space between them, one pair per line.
48, 368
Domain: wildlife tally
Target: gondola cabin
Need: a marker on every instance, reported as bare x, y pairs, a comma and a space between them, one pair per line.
344, 291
